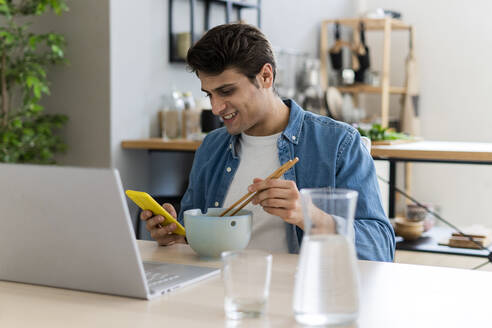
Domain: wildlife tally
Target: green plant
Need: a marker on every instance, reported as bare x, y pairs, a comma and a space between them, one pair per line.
27, 134
378, 133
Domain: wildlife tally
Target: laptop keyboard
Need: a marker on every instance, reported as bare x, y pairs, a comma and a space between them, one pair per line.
154, 279
165, 277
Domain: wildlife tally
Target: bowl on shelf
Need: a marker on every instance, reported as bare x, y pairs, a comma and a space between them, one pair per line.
409, 230
209, 234
417, 213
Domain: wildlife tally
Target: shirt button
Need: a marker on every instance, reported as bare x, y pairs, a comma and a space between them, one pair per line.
216, 204
230, 146
229, 169
293, 137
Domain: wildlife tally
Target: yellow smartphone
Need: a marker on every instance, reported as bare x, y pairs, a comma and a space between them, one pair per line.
146, 202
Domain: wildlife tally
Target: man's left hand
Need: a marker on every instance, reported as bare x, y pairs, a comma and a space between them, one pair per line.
279, 197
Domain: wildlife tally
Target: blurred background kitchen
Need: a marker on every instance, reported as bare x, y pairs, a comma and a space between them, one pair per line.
123, 78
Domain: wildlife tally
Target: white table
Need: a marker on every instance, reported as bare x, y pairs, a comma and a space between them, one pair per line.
392, 295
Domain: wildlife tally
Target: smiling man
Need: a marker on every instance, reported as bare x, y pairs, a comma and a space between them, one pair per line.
236, 67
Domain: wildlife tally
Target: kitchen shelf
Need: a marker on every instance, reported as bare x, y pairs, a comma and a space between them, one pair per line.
229, 6
387, 25
161, 144
364, 88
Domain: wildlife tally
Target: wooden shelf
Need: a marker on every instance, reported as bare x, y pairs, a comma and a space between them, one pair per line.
370, 23
387, 26
364, 88
422, 150
160, 144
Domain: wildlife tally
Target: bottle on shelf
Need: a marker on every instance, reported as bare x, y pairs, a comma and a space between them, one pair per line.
191, 118
172, 115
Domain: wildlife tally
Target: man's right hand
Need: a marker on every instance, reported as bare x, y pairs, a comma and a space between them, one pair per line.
164, 235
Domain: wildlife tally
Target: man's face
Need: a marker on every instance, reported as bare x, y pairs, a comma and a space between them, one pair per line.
238, 101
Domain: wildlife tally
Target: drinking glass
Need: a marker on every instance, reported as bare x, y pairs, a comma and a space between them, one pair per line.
326, 287
246, 275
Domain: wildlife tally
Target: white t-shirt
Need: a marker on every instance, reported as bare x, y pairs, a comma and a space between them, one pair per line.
259, 158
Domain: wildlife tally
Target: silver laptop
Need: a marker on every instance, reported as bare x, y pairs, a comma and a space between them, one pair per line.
70, 227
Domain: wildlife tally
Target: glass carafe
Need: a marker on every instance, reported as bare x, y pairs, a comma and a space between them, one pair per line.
326, 288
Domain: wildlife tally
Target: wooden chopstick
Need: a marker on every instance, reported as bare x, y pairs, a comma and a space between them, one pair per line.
275, 175
249, 193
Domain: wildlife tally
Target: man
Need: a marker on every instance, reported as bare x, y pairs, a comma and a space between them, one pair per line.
236, 67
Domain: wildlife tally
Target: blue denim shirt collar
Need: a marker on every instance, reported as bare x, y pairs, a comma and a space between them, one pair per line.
293, 130
291, 133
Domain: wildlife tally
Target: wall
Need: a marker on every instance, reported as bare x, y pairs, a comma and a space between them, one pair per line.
453, 49
81, 89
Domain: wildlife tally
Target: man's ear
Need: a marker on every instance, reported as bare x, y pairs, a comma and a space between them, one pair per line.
265, 76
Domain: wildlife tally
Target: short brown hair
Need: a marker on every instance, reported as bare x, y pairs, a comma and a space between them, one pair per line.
236, 45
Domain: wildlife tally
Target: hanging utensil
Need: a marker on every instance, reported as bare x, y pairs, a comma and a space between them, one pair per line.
362, 52
335, 52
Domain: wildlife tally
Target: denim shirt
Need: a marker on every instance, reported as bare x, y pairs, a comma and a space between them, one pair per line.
330, 155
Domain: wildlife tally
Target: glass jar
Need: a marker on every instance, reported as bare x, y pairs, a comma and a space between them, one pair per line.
172, 116
326, 287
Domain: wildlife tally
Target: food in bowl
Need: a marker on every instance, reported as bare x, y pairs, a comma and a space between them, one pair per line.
209, 234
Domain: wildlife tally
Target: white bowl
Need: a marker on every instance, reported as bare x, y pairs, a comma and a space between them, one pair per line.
209, 235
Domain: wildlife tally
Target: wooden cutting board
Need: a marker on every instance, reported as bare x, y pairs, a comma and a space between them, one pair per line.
480, 234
